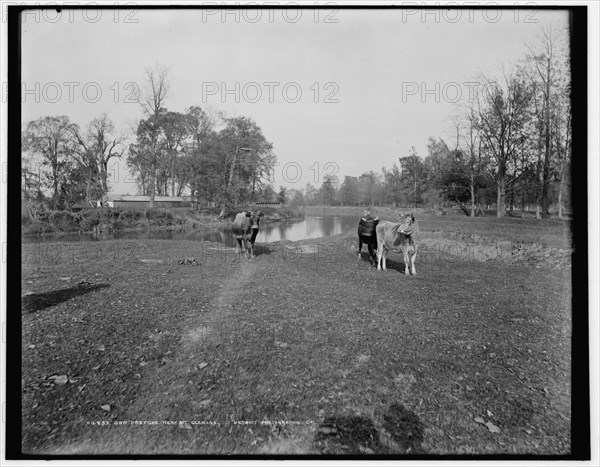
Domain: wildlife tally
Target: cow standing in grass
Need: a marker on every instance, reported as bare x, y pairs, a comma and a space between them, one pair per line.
367, 234
245, 229
403, 236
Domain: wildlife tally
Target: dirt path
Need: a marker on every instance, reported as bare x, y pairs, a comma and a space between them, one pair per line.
220, 307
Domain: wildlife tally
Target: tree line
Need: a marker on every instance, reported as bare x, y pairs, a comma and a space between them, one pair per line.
220, 160
509, 146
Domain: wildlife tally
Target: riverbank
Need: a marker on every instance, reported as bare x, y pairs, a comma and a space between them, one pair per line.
301, 350
118, 219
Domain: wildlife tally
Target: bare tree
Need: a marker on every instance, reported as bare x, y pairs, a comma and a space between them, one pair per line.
545, 56
467, 155
501, 111
95, 149
155, 95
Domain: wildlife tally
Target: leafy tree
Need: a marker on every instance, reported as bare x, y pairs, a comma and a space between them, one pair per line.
50, 139
295, 197
249, 160
414, 176
393, 185
327, 190
281, 196
349, 191
310, 194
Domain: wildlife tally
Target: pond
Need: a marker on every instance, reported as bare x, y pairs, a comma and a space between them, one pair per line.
309, 227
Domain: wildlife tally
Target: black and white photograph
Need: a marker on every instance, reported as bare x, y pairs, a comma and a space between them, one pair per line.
299, 231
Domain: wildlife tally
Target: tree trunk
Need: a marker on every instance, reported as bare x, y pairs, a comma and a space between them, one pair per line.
152, 186
546, 166
232, 169
546, 180
560, 190
462, 206
501, 197
415, 192
104, 176
88, 191
472, 189
560, 214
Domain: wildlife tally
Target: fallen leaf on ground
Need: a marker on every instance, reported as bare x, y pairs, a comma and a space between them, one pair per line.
202, 365
493, 428
62, 379
479, 420
327, 430
105, 407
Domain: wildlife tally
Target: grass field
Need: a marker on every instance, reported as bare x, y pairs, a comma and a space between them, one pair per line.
303, 349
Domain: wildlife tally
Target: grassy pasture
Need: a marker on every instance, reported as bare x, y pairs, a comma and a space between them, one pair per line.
302, 350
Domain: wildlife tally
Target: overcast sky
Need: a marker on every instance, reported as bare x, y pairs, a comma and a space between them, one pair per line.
360, 73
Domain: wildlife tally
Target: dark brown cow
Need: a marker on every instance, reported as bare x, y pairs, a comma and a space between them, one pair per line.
398, 236
245, 228
367, 234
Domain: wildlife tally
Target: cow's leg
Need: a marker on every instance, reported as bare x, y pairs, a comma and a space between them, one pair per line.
248, 248
359, 246
385, 252
238, 247
406, 259
379, 255
252, 240
414, 257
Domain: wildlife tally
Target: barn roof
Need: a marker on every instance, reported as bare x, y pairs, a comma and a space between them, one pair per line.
142, 198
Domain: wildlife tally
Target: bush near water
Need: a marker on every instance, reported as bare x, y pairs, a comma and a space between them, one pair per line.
114, 219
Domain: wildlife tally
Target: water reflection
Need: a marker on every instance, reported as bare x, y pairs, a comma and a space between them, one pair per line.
310, 227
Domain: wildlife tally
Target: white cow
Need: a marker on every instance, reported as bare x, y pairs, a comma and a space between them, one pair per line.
398, 236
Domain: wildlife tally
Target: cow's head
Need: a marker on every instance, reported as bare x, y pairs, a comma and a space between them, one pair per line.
407, 224
254, 218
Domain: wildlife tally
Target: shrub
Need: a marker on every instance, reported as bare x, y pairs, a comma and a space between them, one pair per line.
159, 217
92, 218
64, 221
131, 218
